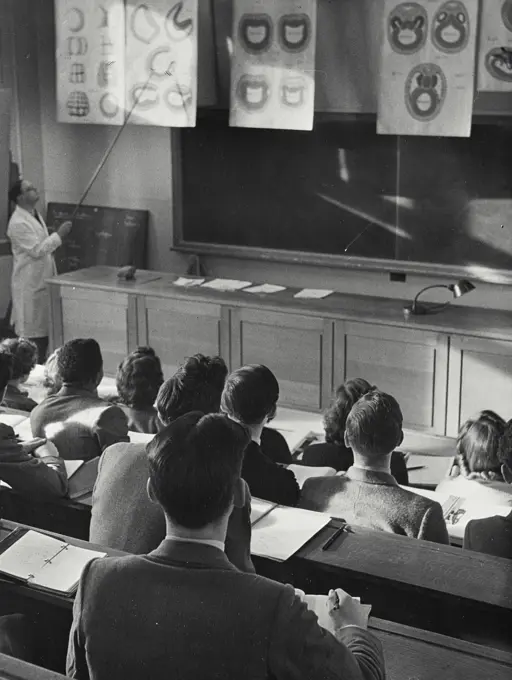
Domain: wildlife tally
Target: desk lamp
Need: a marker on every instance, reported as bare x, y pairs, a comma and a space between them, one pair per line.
458, 289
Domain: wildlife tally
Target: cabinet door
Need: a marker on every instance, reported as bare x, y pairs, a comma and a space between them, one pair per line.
480, 378
107, 317
408, 364
177, 329
296, 348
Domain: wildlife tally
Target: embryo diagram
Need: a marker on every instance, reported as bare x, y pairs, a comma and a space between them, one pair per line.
425, 91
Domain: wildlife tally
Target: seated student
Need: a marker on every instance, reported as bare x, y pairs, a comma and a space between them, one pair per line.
138, 380
122, 515
24, 354
33, 469
250, 397
367, 494
51, 380
80, 424
184, 611
477, 470
493, 535
333, 452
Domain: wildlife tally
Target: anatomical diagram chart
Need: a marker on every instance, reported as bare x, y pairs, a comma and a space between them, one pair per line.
90, 61
427, 68
495, 54
273, 65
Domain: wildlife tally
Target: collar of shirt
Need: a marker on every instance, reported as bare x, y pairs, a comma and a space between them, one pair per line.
205, 541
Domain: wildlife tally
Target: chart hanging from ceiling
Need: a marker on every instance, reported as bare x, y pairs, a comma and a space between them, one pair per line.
495, 54
161, 58
428, 67
273, 65
90, 61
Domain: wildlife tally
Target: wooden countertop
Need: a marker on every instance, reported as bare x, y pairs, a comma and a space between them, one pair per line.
483, 323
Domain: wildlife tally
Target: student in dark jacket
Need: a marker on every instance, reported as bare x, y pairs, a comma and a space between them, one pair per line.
24, 358
250, 397
493, 535
138, 379
333, 452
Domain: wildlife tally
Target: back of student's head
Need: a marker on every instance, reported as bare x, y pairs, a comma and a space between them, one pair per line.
5, 371
478, 443
196, 386
250, 394
24, 356
139, 377
374, 425
79, 362
51, 380
336, 415
194, 466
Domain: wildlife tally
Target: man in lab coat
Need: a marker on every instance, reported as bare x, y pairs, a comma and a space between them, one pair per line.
33, 263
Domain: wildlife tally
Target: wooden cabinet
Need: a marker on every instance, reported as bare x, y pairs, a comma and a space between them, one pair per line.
480, 378
106, 317
297, 349
176, 329
409, 364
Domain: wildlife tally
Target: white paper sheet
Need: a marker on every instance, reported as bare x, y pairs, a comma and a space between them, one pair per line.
187, 283
494, 62
226, 284
304, 472
319, 605
313, 293
265, 288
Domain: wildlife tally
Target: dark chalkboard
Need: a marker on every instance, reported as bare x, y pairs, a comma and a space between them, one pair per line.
100, 236
344, 195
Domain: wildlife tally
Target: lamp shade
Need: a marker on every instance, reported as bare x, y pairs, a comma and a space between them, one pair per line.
461, 288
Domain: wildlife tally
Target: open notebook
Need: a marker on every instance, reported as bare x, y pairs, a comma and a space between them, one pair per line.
278, 531
44, 562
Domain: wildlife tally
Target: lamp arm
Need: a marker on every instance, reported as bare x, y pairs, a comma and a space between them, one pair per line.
437, 285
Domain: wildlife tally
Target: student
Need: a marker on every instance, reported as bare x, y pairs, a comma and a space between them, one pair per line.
367, 494
51, 379
477, 471
122, 515
24, 355
80, 424
184, 611
138, 380
250, 397
493, 535
33, 469
333, 452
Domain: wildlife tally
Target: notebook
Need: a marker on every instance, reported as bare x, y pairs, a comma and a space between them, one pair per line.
304, 472
44, 562
81, 482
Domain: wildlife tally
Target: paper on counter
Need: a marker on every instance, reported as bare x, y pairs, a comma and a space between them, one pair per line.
188, 283
265, 288
227, 284
313, 293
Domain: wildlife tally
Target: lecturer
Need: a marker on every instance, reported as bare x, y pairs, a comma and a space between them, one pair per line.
33, 263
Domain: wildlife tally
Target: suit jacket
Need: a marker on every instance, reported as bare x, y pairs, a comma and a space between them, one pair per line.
340, 458
40, 479
18, 399
275, 446
492, 535
374, 500
184, 611
146, 422
124, 518
267, 479
80, 424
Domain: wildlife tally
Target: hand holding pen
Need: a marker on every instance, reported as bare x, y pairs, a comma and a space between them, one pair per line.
345, 610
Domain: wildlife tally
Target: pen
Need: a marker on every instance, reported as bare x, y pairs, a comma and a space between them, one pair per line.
331, 540
416, 467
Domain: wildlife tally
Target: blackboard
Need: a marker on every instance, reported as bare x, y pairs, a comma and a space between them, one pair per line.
344, 195
100, 236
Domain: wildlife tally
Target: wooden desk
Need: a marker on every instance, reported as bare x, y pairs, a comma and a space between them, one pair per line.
410, 652
15, 669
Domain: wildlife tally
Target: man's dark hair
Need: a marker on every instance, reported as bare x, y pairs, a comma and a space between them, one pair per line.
505, 446
24, 356
15, 191
196, 386
79, 362
250, 394
336, 415
139, 378
194, 465
478, 444
374, 424
5, 371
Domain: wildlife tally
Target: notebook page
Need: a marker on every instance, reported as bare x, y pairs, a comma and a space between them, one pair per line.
27, 556
259, 507
64, 572
304, 472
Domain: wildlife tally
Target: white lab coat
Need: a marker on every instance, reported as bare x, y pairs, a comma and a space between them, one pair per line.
33, 263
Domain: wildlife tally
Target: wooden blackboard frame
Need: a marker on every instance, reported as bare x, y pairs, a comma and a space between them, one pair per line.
181, 244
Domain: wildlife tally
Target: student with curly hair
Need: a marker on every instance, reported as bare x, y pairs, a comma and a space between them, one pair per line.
24, 359
477, 470
139, 377
333, 452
